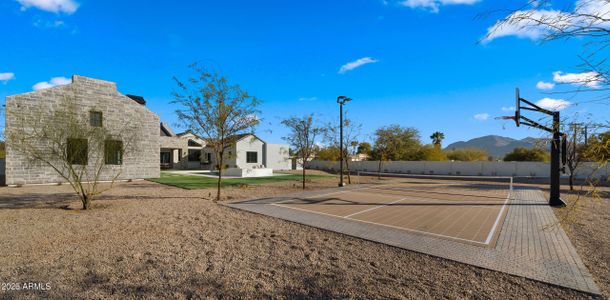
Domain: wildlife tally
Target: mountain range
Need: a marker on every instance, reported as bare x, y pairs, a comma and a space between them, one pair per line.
497, 146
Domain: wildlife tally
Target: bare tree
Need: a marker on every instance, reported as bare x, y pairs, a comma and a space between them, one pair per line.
589, 19
215, 110
302, 137
351, 133
65, 141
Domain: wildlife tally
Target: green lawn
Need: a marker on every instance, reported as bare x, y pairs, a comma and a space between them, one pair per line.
190, 182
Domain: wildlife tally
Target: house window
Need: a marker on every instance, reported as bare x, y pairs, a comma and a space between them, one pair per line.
194, 155
113, 152
77, 151
95, 118
251, 157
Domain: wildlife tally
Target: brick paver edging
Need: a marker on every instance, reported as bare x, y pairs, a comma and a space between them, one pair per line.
531, 244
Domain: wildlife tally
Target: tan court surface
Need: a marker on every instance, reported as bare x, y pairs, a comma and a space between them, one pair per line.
470, 212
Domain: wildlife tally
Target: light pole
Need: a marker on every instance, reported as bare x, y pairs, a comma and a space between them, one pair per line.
341, 100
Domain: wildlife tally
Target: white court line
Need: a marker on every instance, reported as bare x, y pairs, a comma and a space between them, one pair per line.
487, 241
385, 225
376, 207
493, 228
331, 193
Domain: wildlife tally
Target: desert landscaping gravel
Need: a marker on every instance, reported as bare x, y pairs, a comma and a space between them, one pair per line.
147, 240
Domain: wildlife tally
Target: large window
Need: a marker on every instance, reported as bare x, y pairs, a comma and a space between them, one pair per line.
95, 118
113, 152
194, 155
251, 157
77, 151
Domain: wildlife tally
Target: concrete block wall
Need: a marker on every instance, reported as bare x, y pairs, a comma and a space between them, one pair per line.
474, 168
120, 113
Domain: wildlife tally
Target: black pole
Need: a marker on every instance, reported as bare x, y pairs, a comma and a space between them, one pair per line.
555, 199
341, 183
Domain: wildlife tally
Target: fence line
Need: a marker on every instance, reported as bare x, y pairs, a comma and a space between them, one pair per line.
467, 168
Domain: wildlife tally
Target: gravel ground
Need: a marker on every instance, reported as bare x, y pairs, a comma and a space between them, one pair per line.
144, 239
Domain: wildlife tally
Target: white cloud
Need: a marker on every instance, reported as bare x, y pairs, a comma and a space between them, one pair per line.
526, 24
553, 104
541, 85
534, 23
510, 108
481, 116
4, 77
589, 79
55, 81
307, 99
355, 64
434, 5
54, 6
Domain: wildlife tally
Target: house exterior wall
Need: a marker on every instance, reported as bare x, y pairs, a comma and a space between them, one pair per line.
248, 144
276, 156
88, 94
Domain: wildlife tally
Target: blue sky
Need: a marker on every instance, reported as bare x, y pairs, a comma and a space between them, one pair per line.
414, 63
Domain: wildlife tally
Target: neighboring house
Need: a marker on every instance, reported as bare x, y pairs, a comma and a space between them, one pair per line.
249, 152
103, 105
181, 151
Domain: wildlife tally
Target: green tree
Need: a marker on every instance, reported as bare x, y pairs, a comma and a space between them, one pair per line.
437, 138
525, 154
598, 148
396, 143
329, 153
215, 110
364, 148
2, 150
467, 154
432, 153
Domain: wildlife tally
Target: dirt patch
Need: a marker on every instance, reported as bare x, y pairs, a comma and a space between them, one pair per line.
148, 240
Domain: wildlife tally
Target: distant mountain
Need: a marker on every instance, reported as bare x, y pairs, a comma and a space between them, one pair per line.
497, 146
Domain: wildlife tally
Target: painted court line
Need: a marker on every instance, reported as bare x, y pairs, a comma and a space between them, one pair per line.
495, 226
376, 207
385, 225
331, 193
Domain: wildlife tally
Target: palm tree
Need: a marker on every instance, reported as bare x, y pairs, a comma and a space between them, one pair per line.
437, 137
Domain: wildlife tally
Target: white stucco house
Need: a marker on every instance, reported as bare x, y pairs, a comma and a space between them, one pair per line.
250, 156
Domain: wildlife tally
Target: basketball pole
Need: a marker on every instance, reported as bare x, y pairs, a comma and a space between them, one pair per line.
555, 188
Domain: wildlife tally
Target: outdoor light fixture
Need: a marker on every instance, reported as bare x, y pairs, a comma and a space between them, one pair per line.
341, 100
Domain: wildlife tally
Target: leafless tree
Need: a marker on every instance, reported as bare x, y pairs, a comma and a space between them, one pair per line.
63, 139
351, 134
589, 21
215, 110
303, 135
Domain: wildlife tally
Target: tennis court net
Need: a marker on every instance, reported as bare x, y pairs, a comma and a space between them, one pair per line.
475, 186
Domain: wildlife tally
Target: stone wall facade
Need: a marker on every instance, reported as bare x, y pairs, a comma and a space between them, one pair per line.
120, 114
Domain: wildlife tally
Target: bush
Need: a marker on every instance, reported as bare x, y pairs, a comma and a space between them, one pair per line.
525, 154
468, 154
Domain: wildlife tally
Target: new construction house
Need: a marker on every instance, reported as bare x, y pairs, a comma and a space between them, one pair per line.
154, 145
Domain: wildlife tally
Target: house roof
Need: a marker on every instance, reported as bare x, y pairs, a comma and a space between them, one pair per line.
138, 99
239, 137
165, 129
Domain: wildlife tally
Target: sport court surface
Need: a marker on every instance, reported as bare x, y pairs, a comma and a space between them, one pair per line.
467, 210
481, 221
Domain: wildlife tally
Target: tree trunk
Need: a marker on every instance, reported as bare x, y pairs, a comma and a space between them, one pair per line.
379, 170
349, 178
220, 165
303, 174
86, 202
571, 178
